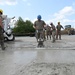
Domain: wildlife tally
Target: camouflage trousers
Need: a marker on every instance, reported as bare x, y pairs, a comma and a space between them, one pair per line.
2, 40
53, 35
40, 36
58, 34
48, 33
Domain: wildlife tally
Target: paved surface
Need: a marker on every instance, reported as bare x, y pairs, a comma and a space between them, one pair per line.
22, 57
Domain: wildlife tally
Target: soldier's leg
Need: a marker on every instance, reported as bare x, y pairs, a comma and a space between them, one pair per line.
56, 35
39, 38
42, 39
60, 35
50, 35
2, 45
2, 42
44, 35
47, 35
37, 35
53, 36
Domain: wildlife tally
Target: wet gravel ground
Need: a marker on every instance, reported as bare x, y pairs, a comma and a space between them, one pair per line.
48, 69
67, 42
22, 57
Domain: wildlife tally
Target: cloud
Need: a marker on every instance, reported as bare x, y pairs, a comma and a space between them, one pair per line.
63, 15
66, 11
8, 2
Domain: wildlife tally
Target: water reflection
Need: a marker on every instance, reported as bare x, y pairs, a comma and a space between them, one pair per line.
40, 56
21, 57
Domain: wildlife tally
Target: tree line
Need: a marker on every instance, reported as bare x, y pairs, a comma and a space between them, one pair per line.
23, 27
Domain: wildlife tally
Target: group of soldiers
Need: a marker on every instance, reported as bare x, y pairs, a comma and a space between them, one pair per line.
40, 27
52, 30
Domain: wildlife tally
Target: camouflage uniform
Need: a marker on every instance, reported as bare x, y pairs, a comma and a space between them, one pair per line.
1, 35
48, 31
53, 32
44, 30
39, 26
58, 32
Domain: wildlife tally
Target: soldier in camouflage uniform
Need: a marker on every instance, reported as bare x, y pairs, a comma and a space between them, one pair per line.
48, 31
58, 32
39, 26
1, 31
53, 30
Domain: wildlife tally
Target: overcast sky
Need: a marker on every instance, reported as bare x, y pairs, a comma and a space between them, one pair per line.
50, 10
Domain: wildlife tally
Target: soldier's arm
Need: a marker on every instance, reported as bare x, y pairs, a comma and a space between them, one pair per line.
34, 25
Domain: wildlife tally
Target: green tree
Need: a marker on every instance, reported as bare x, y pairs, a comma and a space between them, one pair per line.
29, 26
20, 26
23, 27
